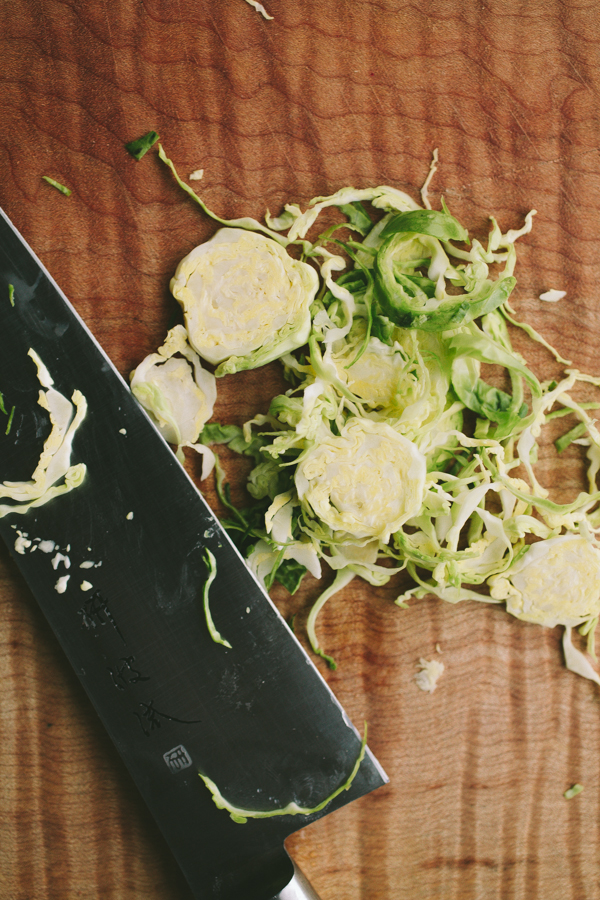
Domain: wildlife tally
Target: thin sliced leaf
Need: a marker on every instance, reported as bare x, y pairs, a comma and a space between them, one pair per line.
342, 578
211, 564
241, 816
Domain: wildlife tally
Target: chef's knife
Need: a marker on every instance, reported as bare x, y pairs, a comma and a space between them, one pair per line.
257, 719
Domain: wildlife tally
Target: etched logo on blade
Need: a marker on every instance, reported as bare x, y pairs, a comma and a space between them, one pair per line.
178, 758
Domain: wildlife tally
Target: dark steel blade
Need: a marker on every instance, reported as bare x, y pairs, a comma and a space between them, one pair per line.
258, 719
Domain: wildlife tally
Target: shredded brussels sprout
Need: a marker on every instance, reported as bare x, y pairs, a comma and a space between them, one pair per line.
390, 452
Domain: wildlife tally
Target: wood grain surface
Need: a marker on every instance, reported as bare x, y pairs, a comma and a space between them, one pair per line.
327, 94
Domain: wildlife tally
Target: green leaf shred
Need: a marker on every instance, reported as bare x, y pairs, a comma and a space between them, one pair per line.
10, 420
56, 184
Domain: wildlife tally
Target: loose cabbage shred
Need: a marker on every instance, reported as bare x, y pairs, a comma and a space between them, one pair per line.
241, 816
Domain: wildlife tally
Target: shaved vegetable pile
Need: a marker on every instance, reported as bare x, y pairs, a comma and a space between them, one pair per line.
389, 452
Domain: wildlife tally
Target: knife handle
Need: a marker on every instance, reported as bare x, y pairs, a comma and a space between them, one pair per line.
299, 888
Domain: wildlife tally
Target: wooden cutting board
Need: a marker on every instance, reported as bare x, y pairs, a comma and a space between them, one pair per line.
326, 94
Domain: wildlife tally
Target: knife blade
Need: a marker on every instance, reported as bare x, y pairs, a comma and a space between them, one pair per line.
257, 718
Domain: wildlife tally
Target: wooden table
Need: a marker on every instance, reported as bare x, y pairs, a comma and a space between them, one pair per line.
327, 94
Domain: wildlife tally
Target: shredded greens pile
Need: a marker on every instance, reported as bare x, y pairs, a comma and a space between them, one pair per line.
390, 452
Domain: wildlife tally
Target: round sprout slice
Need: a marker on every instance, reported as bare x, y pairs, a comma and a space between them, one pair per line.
555, 582
246, 301
366, 482
404, 380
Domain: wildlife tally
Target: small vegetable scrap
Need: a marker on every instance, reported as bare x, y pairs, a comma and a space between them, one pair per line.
56, 184
54, 474
11, 294
429, 674
241, 816
141, 145
259, 8
573, 791
553, 296
390, 453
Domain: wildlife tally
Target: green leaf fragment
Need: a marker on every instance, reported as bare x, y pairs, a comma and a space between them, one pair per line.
426, 221
357, 216
290, 573
212, 573
56, 184
141, 145
11, 294
214, 433
241, 816
573, 791
10, 420
2, 406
